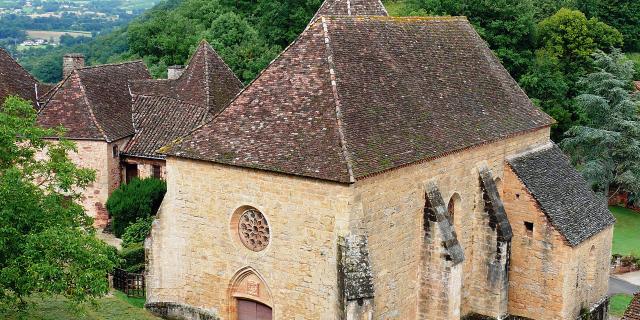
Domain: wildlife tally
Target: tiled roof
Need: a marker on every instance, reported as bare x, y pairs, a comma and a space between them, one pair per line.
633, 311
354, 96
636, 84
158, 121
15, 80
207, 81
562, 193
94, 102
351, 8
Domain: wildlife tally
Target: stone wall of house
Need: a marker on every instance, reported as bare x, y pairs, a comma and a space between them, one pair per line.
98, 156
392, 205
196, 259
548, 279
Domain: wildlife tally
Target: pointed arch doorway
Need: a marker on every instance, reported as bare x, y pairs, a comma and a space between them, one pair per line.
252, 310
249, 296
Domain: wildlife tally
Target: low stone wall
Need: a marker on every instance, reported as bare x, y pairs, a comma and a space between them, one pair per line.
174, 311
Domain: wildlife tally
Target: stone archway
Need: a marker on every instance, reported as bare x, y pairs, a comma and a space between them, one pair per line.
249, 297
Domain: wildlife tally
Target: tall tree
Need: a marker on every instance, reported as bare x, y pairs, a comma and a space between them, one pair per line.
606, 149
47, 243
624, 15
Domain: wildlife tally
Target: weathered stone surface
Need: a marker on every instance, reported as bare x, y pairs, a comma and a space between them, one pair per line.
174, 311
358, 278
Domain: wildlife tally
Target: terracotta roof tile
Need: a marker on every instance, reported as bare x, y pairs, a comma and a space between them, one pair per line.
354, 96
207, 81
158, 121
562, 193
633, 311
15, 80
94, 102
351, 8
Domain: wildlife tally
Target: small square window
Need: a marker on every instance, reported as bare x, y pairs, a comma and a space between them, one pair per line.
528, 226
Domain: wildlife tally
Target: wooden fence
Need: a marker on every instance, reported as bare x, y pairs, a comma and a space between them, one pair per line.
132, 284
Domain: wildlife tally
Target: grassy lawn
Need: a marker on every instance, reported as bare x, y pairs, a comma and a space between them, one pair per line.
619, 303
626, 238
109, 308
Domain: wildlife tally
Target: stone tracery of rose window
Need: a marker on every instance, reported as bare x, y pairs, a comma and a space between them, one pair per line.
253, 230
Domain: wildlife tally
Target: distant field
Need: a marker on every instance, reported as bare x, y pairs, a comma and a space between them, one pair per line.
38, 34
626, 238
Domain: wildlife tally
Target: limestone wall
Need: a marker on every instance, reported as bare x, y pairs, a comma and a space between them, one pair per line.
195, 256
392, 205
97, 155
548, 279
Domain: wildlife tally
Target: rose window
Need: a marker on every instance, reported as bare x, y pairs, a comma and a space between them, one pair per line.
253, 230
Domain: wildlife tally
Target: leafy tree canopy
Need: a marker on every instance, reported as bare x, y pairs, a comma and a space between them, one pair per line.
47, 243
624, 15
606, 149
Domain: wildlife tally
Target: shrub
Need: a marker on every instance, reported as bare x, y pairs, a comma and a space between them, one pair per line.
133, 258
137, 199
137, 231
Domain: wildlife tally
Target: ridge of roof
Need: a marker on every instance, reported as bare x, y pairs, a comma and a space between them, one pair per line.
89, 106
336, 99
101, 90
350, 8
114, 64
498, 107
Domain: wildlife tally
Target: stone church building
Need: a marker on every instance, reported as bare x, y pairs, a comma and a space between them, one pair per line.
378, 168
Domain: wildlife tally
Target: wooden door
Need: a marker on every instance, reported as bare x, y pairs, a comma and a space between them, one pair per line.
250, 310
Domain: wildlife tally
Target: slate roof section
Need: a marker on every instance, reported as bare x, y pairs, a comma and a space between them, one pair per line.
94, 102
158, 121
15, 80
207, 81
633, 310
355, 96
351, 8
562, 193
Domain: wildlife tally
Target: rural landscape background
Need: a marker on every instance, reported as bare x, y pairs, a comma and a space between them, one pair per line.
549, 46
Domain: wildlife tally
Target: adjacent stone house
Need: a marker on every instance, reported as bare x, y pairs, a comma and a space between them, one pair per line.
164, 110
379, 168
15, 80
93, 104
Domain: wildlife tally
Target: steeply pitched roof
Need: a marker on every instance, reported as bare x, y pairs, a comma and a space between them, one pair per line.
158, 121
94, 102
351, 8
15, 80
354, 96
633, 311
207, 81
562, 193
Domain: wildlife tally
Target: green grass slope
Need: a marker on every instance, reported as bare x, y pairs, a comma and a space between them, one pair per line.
626, 232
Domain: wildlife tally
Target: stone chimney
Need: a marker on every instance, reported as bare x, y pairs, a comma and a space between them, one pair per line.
70, 62
174, 72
